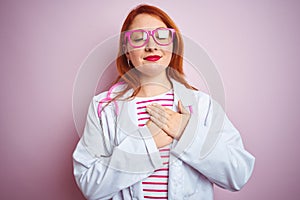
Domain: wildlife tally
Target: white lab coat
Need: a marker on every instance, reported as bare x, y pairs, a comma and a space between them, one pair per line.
114, 155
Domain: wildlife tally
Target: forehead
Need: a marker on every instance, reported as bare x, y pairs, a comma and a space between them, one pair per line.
146, 21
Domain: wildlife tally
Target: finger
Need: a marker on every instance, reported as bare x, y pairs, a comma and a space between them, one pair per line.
157, 107
181, 108
152, 110
154, 129
155, 113
169, 111
159, 123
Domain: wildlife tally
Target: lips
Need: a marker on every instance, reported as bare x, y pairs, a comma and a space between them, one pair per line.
152, 58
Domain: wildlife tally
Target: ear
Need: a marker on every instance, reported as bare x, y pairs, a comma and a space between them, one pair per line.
125, 51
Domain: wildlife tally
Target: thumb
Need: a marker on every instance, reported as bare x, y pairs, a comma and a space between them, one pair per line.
181, 108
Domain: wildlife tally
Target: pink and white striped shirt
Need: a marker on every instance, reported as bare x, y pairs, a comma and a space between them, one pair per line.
156, 185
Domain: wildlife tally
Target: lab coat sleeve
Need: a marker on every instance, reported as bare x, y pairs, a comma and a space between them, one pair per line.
213, 146
102, 167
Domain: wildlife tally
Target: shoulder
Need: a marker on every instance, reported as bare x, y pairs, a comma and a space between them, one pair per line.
105, 100
206, 100
202, 99
111, 93
100, 97
189, 96
207, 103
200, 95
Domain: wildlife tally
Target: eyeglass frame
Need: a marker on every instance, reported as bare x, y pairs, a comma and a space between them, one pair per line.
149, 33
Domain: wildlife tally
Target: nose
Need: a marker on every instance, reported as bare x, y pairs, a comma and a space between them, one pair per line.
151, 45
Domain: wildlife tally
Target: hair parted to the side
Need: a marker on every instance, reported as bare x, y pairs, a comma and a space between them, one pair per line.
126, 71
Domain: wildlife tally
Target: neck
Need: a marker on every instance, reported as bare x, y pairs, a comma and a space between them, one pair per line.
152, 86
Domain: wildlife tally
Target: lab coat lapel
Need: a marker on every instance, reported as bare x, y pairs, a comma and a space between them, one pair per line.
126, 118
186, 96
189, 102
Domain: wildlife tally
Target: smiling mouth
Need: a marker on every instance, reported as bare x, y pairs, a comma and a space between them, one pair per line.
152, 58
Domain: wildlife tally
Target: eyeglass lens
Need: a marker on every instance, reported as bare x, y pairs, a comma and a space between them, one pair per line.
161, 36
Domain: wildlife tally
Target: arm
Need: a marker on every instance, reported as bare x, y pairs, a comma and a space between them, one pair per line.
214, 149
102, 167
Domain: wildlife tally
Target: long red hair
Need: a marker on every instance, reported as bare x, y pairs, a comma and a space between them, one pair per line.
126, 71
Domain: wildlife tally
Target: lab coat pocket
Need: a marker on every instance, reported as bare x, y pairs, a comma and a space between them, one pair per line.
190, 183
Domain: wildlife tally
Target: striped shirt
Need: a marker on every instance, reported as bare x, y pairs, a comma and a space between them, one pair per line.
156, 185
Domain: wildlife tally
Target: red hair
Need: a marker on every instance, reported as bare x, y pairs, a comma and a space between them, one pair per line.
126, 72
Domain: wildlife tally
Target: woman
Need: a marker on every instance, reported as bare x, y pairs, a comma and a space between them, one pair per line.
152, 135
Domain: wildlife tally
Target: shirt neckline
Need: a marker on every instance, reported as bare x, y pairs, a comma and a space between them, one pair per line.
156, 96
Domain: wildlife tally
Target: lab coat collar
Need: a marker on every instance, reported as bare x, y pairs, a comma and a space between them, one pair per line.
180, 91
125, 120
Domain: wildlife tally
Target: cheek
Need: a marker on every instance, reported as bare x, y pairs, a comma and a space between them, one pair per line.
135, 55
168, 50
168, 55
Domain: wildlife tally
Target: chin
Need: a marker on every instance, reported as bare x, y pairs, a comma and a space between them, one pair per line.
151, 69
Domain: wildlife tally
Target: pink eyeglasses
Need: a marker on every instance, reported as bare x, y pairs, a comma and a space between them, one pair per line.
139, 38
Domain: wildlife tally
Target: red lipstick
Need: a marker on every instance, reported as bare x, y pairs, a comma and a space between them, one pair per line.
152, 58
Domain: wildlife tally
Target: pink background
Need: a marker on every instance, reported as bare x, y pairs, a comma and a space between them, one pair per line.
254, 44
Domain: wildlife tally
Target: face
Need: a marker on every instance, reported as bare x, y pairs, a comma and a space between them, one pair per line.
151, 59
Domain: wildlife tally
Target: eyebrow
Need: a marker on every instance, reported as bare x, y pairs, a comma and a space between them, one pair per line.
146, 28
